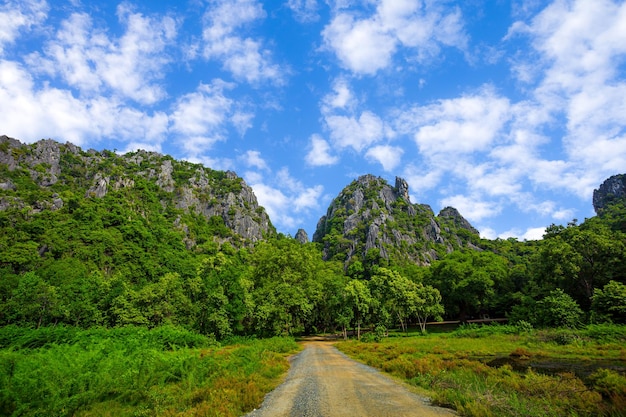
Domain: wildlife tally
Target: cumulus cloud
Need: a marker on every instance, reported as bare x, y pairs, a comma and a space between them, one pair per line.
461, 125
357, 133
367, 45
90, 61
19, 16
580, 48
198, 118
472, 207
245, 57
319, 152
253, 159
37, 113
388, 156
284, 197
341, 98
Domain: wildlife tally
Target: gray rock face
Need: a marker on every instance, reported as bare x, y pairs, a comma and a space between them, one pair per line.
374, 215
302, 236
453, 214
95, 174
611, 190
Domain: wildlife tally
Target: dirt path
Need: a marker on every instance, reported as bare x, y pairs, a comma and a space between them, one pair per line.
324, 382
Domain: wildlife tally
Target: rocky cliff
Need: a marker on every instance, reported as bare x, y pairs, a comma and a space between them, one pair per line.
369, 214
611, 190
47, 174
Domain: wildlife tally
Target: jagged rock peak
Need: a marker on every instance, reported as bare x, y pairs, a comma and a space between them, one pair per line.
302, 236
369, 214
217, 195
611, 190
402, 188
453, 214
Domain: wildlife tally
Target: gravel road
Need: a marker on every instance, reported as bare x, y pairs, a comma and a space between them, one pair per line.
323, 382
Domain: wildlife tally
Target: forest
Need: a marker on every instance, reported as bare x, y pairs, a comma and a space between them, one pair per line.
133, 256
95, 282
95, 273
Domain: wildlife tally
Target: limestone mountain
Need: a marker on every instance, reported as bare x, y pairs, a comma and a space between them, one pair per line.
612, 190
369, 214
48, 176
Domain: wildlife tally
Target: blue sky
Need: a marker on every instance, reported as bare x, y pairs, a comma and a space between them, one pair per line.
510, 111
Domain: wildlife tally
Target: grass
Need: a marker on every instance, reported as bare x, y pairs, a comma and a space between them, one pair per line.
135, 372
452, 369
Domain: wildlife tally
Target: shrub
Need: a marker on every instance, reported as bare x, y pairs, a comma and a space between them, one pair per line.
608, 383
609, 303
558, 309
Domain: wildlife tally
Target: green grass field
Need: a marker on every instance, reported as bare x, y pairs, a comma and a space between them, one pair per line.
63, 371
453, 369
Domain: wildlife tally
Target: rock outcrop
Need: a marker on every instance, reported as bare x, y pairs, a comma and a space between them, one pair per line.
302, 236
611, 190
369, 214
184, 186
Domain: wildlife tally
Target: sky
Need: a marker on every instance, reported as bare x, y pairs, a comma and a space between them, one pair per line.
512, 112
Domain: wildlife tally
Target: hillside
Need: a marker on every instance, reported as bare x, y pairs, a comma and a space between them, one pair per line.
369, 216
92, 238
49, 176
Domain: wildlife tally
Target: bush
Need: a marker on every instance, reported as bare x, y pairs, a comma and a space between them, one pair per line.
609, 383
558, 309
609, 303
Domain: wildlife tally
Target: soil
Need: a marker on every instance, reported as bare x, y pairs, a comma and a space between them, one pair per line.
324, 382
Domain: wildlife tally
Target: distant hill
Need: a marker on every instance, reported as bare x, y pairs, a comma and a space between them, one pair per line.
48, 175
371, 218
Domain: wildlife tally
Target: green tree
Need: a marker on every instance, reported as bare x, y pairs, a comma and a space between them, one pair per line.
609, 303
558, 309
34, 302
428, 305
359, 299
468, 281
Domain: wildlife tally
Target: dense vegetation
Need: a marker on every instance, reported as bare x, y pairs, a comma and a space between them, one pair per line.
155, 252
64, 371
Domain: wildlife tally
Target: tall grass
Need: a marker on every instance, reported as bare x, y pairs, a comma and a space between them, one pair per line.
452, 369
134, 372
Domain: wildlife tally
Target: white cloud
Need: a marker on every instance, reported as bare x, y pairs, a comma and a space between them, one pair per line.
199, 117
367, 45
319, 153
304, 10
362, 46
253, 159
245, 58
421, 179
358, 133
388, 156
284, 197
462, 125
309, 198
20, 15
341, 97
579, 48
88, 60
54, 113
471, 207
533, 233
276, 204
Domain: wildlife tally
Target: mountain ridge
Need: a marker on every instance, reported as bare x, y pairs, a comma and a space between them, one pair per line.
219, 196
371, 214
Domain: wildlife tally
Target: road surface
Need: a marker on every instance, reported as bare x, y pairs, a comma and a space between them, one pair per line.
323, 382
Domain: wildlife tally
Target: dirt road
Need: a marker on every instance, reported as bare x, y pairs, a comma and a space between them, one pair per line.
323, 382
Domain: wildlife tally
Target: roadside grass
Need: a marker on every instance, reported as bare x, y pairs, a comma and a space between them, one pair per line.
135, 372
453, 369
